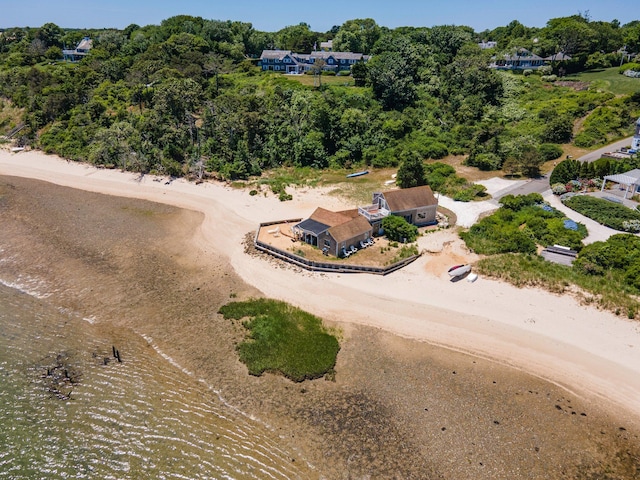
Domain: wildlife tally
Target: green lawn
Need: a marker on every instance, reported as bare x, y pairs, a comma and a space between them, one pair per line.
609, 79
346, 81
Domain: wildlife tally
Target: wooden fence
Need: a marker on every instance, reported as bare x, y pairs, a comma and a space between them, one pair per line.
324, 266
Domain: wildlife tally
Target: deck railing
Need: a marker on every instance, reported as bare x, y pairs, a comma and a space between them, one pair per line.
325, 266
373, 212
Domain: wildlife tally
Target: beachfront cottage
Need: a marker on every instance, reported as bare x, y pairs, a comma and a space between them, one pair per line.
333, 232
417, 205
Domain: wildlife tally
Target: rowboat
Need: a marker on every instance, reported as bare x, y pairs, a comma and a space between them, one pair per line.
358, 174
458, 270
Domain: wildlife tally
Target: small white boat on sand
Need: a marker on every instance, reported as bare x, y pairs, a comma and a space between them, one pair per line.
459, 270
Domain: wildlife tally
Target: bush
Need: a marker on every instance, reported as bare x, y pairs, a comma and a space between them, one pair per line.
398, 229
565, 171
487, 161
558, 188
471, 192
550, 151
629, 66
549, 78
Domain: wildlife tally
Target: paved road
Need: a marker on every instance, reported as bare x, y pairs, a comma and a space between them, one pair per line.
596, 154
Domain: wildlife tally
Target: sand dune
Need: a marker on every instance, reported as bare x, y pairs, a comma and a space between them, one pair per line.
593, 353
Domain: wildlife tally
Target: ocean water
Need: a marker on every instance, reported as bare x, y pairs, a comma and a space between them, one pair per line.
69, 409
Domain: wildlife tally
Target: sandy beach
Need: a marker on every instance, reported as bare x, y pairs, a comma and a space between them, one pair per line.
591, 354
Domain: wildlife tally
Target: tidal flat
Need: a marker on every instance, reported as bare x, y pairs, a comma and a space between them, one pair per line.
397, 408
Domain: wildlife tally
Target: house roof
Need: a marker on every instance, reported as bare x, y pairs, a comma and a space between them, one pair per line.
558, 57
339, 55
522, 54
312, 226
275, 54
85, 44
409, 198
632, 177
350, 229
280, 54
351, 213
329, 218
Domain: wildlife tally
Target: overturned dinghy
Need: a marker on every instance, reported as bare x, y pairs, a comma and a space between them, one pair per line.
459, 270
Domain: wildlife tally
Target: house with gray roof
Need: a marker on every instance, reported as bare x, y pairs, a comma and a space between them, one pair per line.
521, 59
335, 232
417, 205
81, 50
287, 61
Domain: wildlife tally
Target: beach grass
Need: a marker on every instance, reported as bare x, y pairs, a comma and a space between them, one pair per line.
283, 339
609, 292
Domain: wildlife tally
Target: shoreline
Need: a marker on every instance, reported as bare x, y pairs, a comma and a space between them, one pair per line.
589, 352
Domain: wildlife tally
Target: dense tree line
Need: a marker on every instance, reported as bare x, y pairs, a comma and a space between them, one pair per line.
186, 96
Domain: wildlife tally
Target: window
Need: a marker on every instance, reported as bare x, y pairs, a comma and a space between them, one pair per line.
327, 242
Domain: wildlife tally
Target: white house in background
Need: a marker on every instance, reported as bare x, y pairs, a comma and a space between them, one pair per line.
635, 143
81, 50
488, 45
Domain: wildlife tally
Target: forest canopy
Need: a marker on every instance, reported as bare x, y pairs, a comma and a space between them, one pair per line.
188, 96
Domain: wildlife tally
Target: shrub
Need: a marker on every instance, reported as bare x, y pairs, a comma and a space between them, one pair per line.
487, 161
558, 188
629, 66
549, 78
518, 202
469, 193
632, 226
398, 229
545, 70
550, 151
565, 171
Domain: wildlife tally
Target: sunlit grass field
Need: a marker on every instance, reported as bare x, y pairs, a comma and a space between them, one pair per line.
609, 79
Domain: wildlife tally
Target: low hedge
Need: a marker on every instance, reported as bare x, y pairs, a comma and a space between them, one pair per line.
605, 212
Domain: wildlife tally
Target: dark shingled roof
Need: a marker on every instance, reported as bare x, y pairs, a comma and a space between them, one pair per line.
409, 198
312, 226
350, 229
